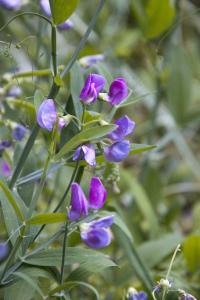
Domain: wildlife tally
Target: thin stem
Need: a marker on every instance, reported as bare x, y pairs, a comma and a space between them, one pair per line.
54, 49
84, 39
63, 254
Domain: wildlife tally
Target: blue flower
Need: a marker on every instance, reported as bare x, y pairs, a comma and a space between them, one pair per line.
185, 296
11, 4
133, 294
19, 132
117, 151
3, 250
86, 152
118, 91
92, 87
125, 127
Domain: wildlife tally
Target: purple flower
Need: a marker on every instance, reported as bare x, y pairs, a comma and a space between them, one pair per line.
47, 115
11, 4
15, 91
19, 132
3, 250
97, 194
134, 295
118, 91
97, 234
87, 152
65, 25
92, 87
4, 145
90, 60
117, 151
125, 127
79, 204
185, 296
5, 169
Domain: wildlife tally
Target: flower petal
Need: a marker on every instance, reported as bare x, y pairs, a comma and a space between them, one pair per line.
118, 91
125, 127
89, 154
97, 194
79, 205
46, 115
96, 238
117, 151
105, 222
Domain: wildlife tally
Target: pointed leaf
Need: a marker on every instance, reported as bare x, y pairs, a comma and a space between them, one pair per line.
62, 10
47, 218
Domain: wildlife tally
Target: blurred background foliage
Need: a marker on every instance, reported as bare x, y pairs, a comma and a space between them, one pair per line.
155, 45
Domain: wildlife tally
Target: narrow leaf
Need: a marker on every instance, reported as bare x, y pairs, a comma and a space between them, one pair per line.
47, 218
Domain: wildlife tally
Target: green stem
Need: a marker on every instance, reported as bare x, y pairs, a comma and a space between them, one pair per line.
54, 49
63, 254
37, 73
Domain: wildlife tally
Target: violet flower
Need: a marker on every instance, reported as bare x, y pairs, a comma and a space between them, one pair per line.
88, 61
19, 132
92, 87
125, 127
118, 91
3, 250
15, 91
117, 151
5, 169
4, 145
47, 115
185, 296
86, 152
45, 6
79, 204
11, 4
133, 294
97, 194
97, 234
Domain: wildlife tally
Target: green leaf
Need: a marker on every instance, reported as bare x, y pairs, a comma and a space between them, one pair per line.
12, 201
191, 252
47, 218
84, 136
160, 15
62, 10
139, 148
91, 260
142, 201
19, 291
38, 98
76, 84
72, 284
166, 246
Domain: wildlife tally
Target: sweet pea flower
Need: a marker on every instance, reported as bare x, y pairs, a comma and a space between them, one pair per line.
15, 91
5, 169
92, 87
117, 151
118, 91
125, 127
88, 61
45, 6
11, 4
47, 115
3, 250
19, 132
133, 294
4, 145
97, 234
79, 204
86, 152
185, 296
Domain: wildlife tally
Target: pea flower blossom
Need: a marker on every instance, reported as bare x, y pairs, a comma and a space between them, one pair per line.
97, 234
11, 4
118, 91
47, 115
117, 151
3, 250
185, 296
125, 127
86, 152
5, 169
19, 132
133, 294
89, 60
4, 145
79, 203
92, 87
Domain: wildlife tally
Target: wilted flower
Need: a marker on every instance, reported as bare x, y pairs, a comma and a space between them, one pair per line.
15, 91
133, 294
125, 127
117, 151
118, 91
86, 152
3, 250
87, 61
11, 4
5, 169
47, 115
45, 6
92, 87
97, 234
185, 296
19, 132
79, 203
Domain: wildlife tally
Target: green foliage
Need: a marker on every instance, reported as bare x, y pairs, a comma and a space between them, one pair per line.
62, 10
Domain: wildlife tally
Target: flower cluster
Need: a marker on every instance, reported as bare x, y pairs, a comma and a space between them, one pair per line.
44, 4
133, 294
95, 234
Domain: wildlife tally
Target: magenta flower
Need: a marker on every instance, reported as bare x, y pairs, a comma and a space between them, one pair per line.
79, 204
118, 91
86, 152
88, 61
3, 250
5, 169
92, 87
97, 194
97, 234
117, 151
47, 115
19, 132
125, 127
11, 4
